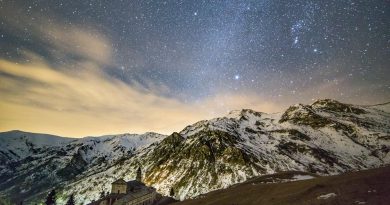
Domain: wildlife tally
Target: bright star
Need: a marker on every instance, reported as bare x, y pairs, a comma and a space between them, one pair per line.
296, 40
236, 77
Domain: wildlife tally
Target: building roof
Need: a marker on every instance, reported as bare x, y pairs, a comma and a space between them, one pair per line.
135, 184
119, 181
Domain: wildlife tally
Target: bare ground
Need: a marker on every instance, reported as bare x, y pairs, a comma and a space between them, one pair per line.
363, 187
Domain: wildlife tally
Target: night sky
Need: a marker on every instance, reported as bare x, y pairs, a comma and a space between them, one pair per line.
96, 67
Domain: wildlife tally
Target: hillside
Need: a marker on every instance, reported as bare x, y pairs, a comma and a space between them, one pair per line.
324, 138
32, 163
363, 187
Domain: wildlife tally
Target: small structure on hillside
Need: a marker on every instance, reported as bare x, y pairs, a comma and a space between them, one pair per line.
129, 193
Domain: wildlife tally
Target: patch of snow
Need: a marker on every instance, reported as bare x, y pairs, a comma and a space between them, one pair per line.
360, 202
327, 196
302, 177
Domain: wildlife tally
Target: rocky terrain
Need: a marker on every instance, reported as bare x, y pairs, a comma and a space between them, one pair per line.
324, 138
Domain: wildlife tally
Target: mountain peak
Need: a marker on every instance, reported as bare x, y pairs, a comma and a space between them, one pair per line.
325, 101
336, 106
243, 112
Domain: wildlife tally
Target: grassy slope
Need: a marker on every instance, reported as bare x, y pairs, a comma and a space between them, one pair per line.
350, 188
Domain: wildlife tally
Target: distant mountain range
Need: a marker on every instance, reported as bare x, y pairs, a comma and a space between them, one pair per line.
325, 138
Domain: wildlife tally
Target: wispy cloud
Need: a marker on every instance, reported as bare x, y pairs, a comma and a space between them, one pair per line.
77, 97
37, 97
62, 41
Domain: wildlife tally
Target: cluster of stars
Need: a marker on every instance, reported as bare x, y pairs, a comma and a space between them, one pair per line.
202, 48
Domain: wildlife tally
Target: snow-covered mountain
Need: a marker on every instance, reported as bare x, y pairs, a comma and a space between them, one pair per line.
326, 137
31, 163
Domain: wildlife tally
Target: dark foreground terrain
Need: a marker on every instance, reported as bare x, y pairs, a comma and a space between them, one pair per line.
363, 187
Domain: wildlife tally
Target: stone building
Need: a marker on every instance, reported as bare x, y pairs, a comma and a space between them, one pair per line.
119, 187
129, 193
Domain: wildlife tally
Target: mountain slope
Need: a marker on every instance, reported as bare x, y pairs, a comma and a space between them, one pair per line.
326, 138
363, 187
15, 145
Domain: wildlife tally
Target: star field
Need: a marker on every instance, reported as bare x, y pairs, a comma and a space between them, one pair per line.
281, 52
